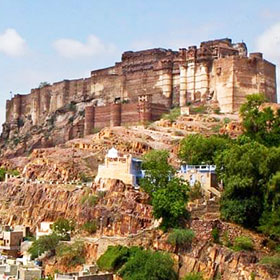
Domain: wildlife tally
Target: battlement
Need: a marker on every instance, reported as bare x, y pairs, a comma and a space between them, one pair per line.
217, 71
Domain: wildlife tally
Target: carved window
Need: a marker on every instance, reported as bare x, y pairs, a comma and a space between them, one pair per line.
219, 71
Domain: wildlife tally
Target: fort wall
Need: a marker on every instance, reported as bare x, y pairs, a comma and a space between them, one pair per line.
122, 114
218, 71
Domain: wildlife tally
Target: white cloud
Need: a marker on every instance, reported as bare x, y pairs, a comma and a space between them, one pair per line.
11, 43
72, 48
269, 44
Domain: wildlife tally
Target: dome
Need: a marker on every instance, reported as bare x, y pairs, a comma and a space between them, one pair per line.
112, 153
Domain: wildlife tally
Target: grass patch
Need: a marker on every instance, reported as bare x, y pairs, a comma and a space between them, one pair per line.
273, 261
243, 243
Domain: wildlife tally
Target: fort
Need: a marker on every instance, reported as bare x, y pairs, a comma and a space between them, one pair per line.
147, 83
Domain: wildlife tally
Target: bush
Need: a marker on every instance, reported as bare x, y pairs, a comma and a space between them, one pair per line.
2, 174
195, 191
199, 109
215, 235
63, 228
113, 258
43, 244
85, 178
173, 115
89, 199
226, 120
273, 261
243, 243
71, 254
193, 276
148, 265
71, 107
181, 237
90, 227
225, 240
217, 111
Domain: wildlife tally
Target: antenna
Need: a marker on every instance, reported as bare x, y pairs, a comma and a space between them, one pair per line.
11, 93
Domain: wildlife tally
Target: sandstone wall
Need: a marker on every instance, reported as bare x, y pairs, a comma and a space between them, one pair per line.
218, 71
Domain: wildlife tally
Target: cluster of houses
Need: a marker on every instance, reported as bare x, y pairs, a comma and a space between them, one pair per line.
15, 262
128, 169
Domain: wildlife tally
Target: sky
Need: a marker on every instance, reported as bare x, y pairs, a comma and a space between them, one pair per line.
55, 40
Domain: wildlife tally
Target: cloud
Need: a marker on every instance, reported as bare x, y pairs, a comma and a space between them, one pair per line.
269, 44
11, 43
73, 49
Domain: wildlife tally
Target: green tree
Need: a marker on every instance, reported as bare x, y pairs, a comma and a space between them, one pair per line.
149, 265
43, 244
260, 125
168, 193
63, 228
197, 149
169, 203
157, 170
270, 223
244, 170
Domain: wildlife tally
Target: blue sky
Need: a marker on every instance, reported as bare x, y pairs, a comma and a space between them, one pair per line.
62, 39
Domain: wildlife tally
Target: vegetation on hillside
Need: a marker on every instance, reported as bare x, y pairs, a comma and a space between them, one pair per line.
169, 194
248, 167
135, 263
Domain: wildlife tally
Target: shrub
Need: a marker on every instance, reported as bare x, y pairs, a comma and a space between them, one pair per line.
217, 111
180, 237
113, 258
215, 235
148, 265
195, 191
273, 261
193, 276
85, 178
71, 119
243, 243
199, 109
90, 227
63, 228
225, 240
89, 199
71, 254
71, 107
173, 114
2, 174
178, 133
43, 244
82, 113
226, 120
216, 128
